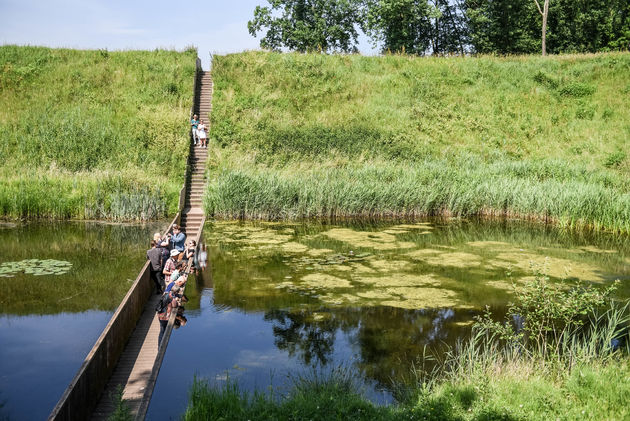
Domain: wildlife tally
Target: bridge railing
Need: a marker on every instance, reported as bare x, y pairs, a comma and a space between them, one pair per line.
82, 395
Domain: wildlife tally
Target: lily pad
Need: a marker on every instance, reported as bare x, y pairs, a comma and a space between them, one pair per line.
35, 267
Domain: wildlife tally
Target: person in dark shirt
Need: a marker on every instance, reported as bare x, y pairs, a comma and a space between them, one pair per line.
154, 255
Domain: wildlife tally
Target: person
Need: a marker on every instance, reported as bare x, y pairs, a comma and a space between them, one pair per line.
154, 255
173, 302
178, 238
194, 123
201, 133
189, 252
161, 242
180, 282
170, 266
179, 270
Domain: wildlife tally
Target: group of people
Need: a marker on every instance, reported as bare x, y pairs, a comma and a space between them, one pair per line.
199, 132
169, 257
165, 253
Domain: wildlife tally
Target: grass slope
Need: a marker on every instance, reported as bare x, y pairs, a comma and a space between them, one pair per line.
328, 136
93, 134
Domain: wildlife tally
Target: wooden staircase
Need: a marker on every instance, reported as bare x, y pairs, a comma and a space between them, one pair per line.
203, 106
192, 215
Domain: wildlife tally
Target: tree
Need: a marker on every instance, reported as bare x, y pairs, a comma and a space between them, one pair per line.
307, 25
544, 12
588, 25
399, 25
513, 26
502, 26
450, 32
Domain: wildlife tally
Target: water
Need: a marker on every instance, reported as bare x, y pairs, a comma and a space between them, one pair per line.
279, 300
49, 322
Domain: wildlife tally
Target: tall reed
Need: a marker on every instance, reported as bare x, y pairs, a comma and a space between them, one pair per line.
408, 190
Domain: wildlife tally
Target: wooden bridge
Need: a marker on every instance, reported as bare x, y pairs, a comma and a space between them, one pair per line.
126, 356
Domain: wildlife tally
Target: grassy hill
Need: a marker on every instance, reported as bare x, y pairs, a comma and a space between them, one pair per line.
328, 136
93, 134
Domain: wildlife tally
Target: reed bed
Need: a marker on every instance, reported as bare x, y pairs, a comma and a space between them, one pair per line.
565, 196
92, 195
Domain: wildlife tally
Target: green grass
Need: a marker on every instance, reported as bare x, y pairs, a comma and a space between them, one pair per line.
590, 392
302, 135
88, 134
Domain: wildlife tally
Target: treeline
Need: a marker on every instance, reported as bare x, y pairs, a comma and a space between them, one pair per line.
445, 26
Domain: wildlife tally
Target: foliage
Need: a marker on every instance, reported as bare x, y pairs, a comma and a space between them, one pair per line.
512, 392
35, 267
81, 132
307, 25
401, 26
513, 26
443, 26
416, 26
121, 410
545, 314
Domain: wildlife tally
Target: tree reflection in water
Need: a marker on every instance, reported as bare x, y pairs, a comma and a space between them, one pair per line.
299, 333
385, 340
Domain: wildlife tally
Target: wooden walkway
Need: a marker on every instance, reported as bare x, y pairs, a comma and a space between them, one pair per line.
138, 367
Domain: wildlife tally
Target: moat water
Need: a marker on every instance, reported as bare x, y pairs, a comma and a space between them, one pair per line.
278, 301
59, 285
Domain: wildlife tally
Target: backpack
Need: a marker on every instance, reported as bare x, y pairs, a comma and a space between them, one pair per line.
162, 305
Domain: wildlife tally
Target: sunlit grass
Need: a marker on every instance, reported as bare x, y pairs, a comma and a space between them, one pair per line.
89, 134
330, 136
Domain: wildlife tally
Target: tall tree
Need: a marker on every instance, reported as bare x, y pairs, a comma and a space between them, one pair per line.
307, 25
513, 26
503, 26
450, 32
544, 12
399, 25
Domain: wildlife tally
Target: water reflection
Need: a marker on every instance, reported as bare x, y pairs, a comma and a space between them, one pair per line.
375, 297
53, 308
392, 291
300, 334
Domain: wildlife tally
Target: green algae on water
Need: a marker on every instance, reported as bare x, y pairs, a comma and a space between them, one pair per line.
321, 280
367, 239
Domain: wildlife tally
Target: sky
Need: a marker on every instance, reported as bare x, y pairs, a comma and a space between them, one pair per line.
213, 26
